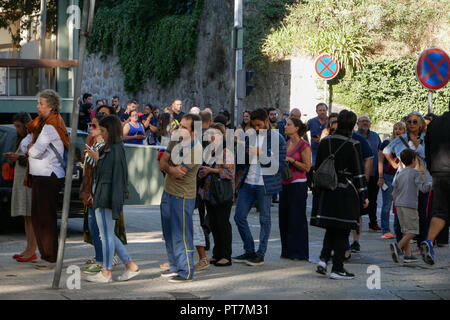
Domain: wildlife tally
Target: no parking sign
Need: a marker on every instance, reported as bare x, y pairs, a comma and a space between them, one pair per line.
326, 67
433, 69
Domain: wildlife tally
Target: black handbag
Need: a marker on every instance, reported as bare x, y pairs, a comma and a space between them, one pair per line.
220, 191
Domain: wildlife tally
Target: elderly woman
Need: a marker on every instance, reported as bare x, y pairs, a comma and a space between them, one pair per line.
413, 139
21, 195
338, 210
45, 143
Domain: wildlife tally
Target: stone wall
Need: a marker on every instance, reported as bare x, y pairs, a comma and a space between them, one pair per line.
206, 81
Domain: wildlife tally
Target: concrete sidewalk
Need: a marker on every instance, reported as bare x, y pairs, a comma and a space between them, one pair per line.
277, 279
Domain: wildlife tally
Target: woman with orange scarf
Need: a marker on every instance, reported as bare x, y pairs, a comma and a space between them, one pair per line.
47, 135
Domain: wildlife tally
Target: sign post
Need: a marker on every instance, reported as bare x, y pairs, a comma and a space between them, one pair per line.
433, 71
326, 68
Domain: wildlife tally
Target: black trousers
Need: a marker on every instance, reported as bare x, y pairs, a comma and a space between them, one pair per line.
371, 210
219, 223
44, 202
292, 221
335, 240
423, 220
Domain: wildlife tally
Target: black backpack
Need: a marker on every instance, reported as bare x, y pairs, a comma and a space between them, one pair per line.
325, 176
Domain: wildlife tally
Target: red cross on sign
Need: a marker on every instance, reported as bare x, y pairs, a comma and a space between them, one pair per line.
326, 67
433, 69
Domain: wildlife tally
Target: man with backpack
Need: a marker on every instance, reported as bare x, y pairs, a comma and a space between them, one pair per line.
340, 190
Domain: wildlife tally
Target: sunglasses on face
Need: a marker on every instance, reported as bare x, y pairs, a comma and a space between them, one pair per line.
412, 121
93, 126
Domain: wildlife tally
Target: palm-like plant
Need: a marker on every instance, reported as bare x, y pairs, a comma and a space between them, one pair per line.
346, 46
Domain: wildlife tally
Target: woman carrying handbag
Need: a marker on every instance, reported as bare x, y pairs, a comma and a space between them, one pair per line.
218, 193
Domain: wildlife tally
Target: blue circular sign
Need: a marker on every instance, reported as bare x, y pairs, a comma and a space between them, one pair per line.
326, 67
433, 69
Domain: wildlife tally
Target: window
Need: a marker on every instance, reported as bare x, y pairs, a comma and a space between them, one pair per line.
24, 81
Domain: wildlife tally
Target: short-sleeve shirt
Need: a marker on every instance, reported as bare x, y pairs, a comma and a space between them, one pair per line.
185, 187
397, 146
374, 143
316, 128
366, 151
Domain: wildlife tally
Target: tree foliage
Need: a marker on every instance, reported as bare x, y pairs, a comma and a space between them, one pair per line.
357, 30
21, 10
153, 39
387, 90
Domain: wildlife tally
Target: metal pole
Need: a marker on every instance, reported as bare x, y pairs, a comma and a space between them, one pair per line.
238, 18
42, 84
330, 97
233, 79
325, 91
430, 101
88, 13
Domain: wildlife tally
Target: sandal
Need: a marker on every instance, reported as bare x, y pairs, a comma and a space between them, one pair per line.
91, 261
165, 265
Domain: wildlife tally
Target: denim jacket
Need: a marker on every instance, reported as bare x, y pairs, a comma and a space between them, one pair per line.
272, 183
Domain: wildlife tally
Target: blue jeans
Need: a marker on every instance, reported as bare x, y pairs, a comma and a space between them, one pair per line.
95, 234
178, 232
246, 197
110, 242
387, 203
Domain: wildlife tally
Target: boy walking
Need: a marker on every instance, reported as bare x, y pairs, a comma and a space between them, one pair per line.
406, 186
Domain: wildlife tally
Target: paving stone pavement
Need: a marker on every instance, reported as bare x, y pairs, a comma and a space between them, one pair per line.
277, 279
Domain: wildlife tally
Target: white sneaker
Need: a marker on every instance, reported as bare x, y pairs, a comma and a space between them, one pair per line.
168, 274
344, 275
98, 278
322, 267
127, 275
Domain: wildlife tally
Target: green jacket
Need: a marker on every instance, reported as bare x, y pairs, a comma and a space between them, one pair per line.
111, 180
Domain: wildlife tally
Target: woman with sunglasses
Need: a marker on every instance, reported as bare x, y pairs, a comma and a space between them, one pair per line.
331, 125
91, 233
133, 131
109, 191
413, 139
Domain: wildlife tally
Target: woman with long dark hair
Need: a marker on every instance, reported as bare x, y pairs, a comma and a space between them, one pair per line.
21, 195
109, 192
338, 210
292, 213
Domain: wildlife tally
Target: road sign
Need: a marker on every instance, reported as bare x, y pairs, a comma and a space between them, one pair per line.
433, 69
326, 67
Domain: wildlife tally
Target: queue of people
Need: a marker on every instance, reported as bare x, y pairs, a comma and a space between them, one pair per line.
357, 163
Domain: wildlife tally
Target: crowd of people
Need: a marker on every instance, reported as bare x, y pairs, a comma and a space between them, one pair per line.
343, 167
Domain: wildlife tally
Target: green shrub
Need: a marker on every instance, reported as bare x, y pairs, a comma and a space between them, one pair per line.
387, 90
152, 39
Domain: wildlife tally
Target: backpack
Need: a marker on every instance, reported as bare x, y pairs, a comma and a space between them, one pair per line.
325, 176
62, 160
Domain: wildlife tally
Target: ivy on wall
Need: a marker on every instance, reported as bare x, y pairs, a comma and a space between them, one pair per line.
387, 90
153, 39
